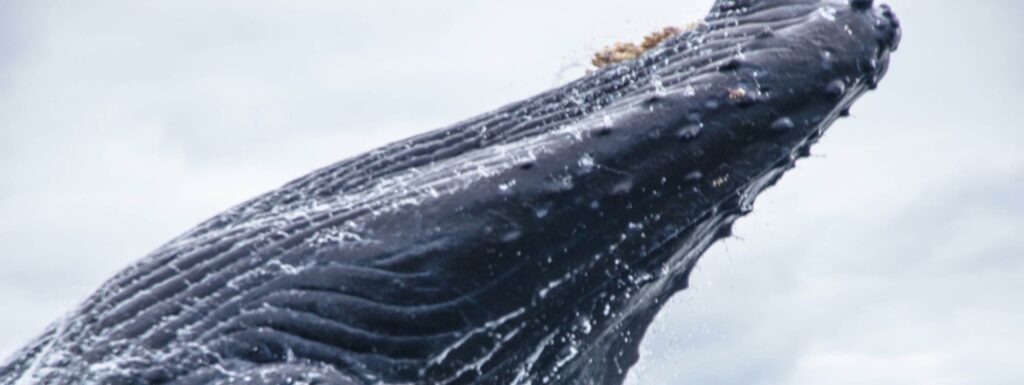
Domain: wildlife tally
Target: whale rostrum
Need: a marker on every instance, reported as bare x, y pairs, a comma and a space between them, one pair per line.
530, 245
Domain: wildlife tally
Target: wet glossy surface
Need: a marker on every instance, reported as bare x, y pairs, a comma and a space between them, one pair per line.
529, 245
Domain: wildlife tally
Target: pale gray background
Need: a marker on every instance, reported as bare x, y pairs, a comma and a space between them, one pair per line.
891, 257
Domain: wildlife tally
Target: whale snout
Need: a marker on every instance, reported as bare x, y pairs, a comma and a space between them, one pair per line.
888, 29
886, 33
887, 26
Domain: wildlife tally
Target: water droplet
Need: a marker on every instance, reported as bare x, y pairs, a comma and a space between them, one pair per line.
511, 236
564, 183
623, 187
659, 86
585, 326
507, 186
826, 59
783, 124
541, 212
829, 13
689, 131
711, 104
586, 163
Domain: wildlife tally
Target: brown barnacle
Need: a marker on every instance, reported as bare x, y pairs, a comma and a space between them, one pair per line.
718, 182
617, 53
692, 25
621, 52
737, 93
655, 38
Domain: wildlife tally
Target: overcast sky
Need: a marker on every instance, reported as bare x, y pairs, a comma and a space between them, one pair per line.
893, 256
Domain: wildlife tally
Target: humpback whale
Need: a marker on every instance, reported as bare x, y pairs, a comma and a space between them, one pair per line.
530, 245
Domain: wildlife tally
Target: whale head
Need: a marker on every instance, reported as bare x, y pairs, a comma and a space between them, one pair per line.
530, 245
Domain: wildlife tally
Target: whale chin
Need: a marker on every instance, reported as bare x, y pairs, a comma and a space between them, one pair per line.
532, 244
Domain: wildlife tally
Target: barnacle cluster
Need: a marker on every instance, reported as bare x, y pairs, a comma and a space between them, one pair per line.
620, 52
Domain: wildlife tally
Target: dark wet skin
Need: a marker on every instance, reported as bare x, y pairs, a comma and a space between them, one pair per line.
530, 245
